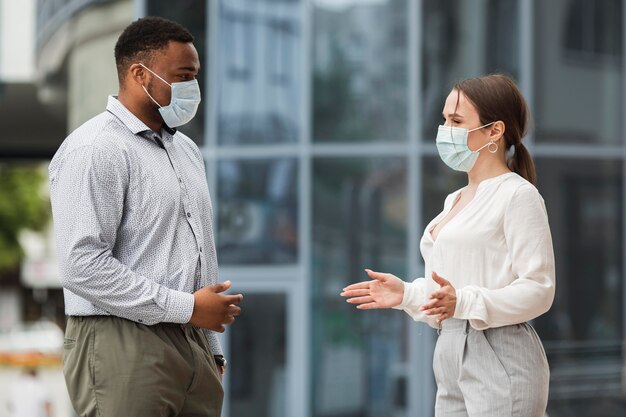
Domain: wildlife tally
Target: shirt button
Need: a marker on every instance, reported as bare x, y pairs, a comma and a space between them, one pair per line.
188, 214
180, 180
200, 249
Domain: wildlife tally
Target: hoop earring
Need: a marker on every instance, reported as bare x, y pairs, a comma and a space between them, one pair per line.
489, 148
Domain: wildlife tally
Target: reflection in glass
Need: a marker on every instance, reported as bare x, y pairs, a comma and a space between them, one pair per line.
258, 214
578, 71
259, 71
191, 14
463, 39
583, 331
258, 348
359, 221
359, 70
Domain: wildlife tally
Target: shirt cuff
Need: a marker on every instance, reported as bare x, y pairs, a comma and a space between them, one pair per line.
407, 297
179, 307
459, 310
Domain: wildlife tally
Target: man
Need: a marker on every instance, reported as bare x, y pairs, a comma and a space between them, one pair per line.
132, 219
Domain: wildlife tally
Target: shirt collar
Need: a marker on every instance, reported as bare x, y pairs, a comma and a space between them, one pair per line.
115, 107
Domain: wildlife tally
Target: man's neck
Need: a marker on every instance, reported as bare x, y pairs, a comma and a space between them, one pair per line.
140, 112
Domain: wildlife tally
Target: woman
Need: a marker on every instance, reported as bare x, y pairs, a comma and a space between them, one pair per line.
489, 262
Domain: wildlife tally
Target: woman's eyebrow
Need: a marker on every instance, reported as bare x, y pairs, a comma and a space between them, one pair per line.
452, 115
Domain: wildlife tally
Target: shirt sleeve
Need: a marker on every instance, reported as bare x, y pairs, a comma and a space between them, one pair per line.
529, 243
414, 297
87, 193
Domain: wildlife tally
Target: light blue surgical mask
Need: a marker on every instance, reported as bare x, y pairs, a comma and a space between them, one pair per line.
453, 149
183, 104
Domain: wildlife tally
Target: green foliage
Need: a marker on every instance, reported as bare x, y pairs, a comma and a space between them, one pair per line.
22, 206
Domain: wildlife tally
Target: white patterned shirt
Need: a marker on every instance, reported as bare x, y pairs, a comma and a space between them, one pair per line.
132, 221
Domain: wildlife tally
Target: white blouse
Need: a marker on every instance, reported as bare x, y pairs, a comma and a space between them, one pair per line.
496, 252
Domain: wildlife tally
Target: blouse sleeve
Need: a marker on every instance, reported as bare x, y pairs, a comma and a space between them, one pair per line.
414, 297
530, 294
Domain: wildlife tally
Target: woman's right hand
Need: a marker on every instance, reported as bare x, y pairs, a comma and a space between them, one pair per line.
383, 291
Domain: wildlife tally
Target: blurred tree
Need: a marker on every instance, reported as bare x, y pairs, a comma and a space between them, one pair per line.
23, 205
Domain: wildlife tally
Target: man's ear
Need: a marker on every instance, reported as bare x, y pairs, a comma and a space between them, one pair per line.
137, 73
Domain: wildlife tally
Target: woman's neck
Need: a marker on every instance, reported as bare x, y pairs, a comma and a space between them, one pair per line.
486, 169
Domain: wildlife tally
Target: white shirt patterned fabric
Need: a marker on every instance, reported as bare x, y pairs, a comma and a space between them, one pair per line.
132, 221
497, 253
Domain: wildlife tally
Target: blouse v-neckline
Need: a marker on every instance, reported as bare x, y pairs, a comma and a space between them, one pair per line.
456, 200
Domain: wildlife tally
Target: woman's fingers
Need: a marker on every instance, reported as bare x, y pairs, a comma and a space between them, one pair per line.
360, 300
440, 280
358, 285
430, 304
434, 311
378, 276
355, 293
368, 306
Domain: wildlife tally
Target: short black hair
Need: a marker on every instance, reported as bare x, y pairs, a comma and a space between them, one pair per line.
143, 38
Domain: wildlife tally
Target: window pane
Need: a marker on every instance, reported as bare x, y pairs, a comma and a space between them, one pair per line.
463, 39
360, 70
359, 221
259, 74
192, 14
258, 211
258, 344
583, 331
578, 71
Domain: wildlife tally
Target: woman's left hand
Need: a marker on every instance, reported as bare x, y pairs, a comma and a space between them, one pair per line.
442, 302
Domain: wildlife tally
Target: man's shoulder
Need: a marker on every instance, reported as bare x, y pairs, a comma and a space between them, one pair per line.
187, 143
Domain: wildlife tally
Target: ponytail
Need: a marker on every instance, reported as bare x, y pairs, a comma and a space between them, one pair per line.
522, 163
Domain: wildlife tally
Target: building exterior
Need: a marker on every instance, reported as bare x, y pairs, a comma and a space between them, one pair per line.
318, 126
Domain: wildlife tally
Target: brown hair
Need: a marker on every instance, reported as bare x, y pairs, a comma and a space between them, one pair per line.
497, 97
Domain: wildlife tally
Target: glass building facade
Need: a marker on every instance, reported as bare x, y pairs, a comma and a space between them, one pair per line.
317, 128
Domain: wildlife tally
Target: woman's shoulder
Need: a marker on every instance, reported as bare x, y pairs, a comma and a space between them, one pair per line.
518, 189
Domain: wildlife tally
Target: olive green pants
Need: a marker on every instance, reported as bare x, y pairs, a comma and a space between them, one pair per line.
115, 367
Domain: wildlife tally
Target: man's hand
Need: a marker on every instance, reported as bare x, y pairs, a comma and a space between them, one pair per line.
213, 310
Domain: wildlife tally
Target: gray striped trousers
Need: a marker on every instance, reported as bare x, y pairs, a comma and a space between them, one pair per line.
499, 372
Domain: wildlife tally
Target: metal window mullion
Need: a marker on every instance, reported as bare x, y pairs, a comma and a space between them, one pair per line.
526, 59
420, 385
301, 303
623, 153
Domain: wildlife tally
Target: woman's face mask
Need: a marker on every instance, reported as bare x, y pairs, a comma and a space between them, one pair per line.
183, 104
453, 150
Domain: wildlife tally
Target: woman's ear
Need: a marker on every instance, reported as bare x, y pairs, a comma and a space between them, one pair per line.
496, 131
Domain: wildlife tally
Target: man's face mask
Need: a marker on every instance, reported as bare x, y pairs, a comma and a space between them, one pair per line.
453, 149
183, 104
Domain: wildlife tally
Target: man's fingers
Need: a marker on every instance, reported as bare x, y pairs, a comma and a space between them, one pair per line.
233, 310
358, 286
229, 320
355, 293
360, 300
378, 276
221, 287
234, 299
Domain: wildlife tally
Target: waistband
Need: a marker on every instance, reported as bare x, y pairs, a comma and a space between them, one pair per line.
111, 317
452, 325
